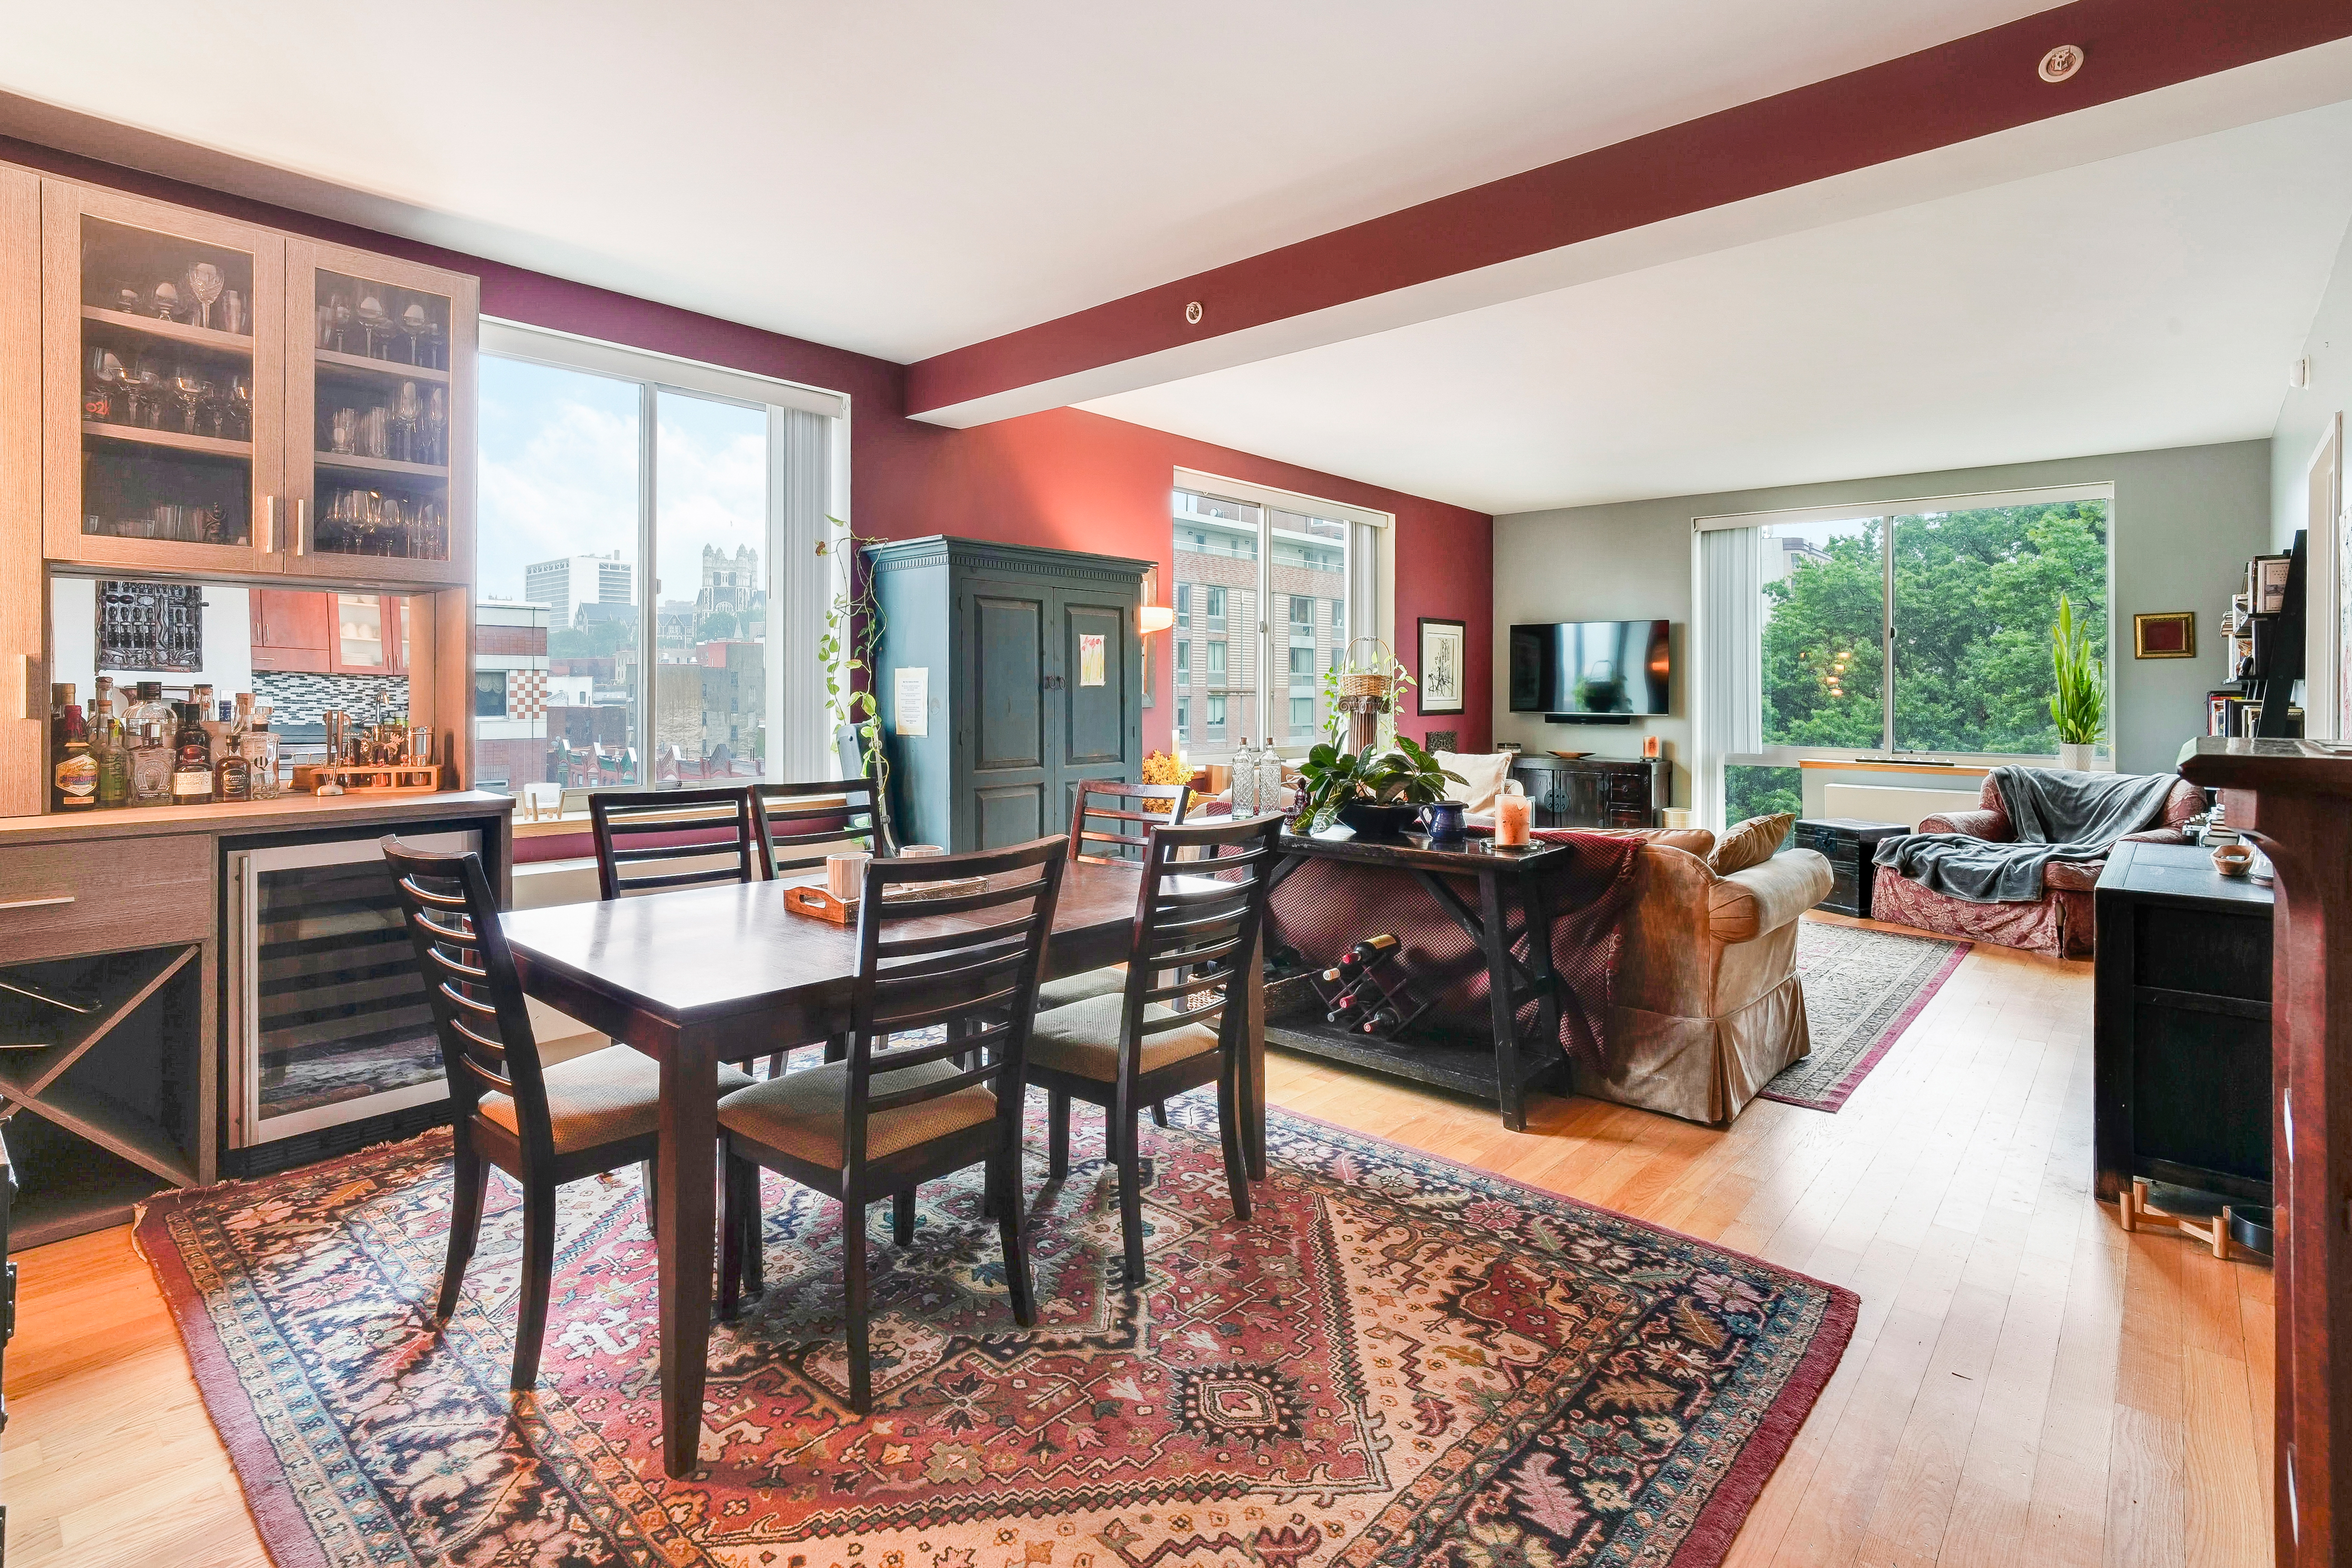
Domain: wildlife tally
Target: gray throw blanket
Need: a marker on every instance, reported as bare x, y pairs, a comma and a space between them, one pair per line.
2056, 815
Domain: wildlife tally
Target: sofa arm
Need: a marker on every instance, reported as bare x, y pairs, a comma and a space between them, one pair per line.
2156, 836
1745, 904
1987, 824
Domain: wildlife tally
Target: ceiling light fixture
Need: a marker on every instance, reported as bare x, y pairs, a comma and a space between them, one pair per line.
2062, 62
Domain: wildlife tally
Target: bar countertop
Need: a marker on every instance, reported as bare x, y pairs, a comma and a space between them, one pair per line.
288, 813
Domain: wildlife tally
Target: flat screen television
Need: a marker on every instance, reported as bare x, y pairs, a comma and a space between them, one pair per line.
1590, 666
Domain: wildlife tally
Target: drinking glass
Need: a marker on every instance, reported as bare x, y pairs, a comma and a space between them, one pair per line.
413, 326
147, 394
376, 323
342, 430
164, 303
436, 427
408, 409
339, 315
240, 405
187, 385
373, 432
204, 284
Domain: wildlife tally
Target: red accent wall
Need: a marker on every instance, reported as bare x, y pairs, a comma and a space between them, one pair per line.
1063, 477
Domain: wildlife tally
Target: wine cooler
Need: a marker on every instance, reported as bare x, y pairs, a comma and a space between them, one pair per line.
328, 1020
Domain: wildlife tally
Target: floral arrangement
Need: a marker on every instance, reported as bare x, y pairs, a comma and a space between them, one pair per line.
1160, 768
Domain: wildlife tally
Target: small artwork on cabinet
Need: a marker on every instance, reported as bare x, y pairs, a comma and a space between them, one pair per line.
151, 625
1441, 676
1090, 659
2165, 633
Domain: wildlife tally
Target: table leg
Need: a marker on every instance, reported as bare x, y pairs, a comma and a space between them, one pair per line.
1252, 1063
690, 1142
1495, 938
1535, 896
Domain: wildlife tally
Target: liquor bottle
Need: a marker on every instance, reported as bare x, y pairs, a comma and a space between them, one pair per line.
261, 757
1269, 777
233, 776
1243, 769
192, 768
151, 762
105, 705
77, 772
112, 748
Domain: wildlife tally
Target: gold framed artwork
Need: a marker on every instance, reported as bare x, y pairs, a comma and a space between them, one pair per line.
2165, 633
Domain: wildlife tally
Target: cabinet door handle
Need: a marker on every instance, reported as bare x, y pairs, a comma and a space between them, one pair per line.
270, 543
37, 903
301, 526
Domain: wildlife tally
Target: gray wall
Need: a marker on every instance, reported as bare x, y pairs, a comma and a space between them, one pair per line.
2186, 519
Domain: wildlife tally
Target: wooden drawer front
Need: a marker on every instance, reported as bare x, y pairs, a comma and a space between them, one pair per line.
109, 895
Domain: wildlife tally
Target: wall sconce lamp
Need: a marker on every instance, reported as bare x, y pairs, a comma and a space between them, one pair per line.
1150, 618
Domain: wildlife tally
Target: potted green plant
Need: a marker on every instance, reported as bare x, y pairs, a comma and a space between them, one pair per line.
1372, 790
2080, 703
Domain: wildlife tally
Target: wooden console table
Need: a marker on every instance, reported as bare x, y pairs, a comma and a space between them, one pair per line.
2295, 799
1502, 1068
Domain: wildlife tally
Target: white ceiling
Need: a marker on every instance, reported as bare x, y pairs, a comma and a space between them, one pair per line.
2147, 300
906, 178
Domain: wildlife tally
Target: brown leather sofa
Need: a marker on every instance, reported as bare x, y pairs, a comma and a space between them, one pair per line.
2060, 921
1707, 1003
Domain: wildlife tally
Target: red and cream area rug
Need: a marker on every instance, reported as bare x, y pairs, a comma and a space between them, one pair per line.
1397, 1360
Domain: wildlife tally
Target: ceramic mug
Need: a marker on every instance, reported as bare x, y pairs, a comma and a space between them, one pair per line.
1443, 819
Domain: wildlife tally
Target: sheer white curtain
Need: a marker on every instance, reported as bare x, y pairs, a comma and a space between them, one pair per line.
1730, 658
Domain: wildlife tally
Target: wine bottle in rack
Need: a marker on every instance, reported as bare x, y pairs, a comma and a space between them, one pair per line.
1380, 1020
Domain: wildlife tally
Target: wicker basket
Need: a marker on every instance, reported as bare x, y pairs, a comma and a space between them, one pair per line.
1359, 683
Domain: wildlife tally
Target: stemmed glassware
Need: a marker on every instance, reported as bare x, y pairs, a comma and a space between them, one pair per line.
163, 304
413, 326
406, 413
436, 427
188, 386
206, 283
147, 392
240, 405
375, 321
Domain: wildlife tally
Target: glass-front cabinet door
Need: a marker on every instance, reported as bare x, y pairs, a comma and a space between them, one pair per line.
23, 777
379, 416
164, 384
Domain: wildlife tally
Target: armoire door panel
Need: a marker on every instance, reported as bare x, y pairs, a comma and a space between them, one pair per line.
1008, 813
1008, 666
1094, 663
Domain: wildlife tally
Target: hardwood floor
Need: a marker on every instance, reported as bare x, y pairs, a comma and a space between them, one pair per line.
2028, 1384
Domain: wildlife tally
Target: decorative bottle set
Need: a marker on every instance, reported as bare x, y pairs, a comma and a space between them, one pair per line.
1256, 779
134, 749
1367, 992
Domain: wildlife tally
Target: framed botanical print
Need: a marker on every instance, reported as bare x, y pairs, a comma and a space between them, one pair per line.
1442, 677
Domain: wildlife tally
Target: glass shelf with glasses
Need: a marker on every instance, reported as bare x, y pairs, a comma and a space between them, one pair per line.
158, 485
381, 415
384, 521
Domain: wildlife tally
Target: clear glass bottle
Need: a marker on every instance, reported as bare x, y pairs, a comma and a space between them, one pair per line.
76, 778
192, 767
110, 747
150, 763
1269, 778
261, 756
1243, 771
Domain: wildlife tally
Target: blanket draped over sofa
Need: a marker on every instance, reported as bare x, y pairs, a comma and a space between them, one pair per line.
2057, 815
1324, 905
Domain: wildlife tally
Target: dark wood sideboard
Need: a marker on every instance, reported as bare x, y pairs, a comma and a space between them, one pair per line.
1596, 792
2181, 1027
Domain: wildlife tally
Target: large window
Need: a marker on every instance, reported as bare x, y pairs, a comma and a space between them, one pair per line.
1920, 632
596, 461
1262, 562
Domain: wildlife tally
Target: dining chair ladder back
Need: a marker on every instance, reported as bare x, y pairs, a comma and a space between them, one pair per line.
1111, 820
655, 840
800, 823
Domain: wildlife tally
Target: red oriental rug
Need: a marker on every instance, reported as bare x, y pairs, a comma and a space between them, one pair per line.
1399, 1361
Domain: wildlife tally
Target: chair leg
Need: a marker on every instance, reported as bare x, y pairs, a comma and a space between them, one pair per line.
836, 1047
649, 1169
1127, 1140
1005, 1182
1229, 1127
776, 1063
755, 1233
1058, 1134
730, 1237
470, 1180
853, 1270
538, 1279
902, 1217
1159, 1114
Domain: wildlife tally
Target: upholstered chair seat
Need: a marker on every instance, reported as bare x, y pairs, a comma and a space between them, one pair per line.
601, 1098
1107, 981
801, 1114
1083, 1037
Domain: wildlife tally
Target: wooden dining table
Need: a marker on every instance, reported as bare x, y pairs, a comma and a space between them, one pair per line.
703, 976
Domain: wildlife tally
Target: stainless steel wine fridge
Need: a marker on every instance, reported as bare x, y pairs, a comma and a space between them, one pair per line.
328, 1020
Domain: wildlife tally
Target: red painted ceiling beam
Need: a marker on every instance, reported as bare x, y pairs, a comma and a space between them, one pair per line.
1954, 92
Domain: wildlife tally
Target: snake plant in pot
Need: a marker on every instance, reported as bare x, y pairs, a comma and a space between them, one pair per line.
2080, 703
1372, 790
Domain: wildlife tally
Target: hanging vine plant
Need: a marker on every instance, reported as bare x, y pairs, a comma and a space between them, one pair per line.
853, 631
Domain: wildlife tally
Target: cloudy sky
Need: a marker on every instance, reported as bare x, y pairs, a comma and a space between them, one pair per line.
558, 475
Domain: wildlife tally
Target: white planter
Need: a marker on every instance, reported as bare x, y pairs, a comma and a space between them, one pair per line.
2078, 758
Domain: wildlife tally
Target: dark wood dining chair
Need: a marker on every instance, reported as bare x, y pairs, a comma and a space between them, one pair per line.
653, 840
1170, 1028
800, 823
1109, 825
544, 1126
886, 1119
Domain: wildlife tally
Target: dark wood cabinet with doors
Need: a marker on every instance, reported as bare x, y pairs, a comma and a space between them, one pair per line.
1007, 676
1596, 792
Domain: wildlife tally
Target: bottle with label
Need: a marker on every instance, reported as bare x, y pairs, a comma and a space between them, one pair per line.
150, 763
261, 754
233, 776
61, 696
1269, 778
77, 772
110, 746
192, 768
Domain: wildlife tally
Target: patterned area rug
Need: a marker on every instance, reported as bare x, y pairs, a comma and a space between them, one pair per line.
1862, 989
1398, 1362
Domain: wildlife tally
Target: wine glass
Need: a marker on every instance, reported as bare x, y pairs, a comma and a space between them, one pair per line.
407, 411
147, 390
127, 300
204, 284
163, 304
413, 326
339, 313
375, 321
240, 404
188, 386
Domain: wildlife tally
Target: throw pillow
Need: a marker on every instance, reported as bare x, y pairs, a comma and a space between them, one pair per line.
1481, 774
1751, 843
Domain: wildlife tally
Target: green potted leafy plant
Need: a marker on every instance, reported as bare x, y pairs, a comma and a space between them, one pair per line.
2080, 703
1372, 790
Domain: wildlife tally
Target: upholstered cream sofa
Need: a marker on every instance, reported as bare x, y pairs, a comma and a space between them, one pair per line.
1707, 1003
